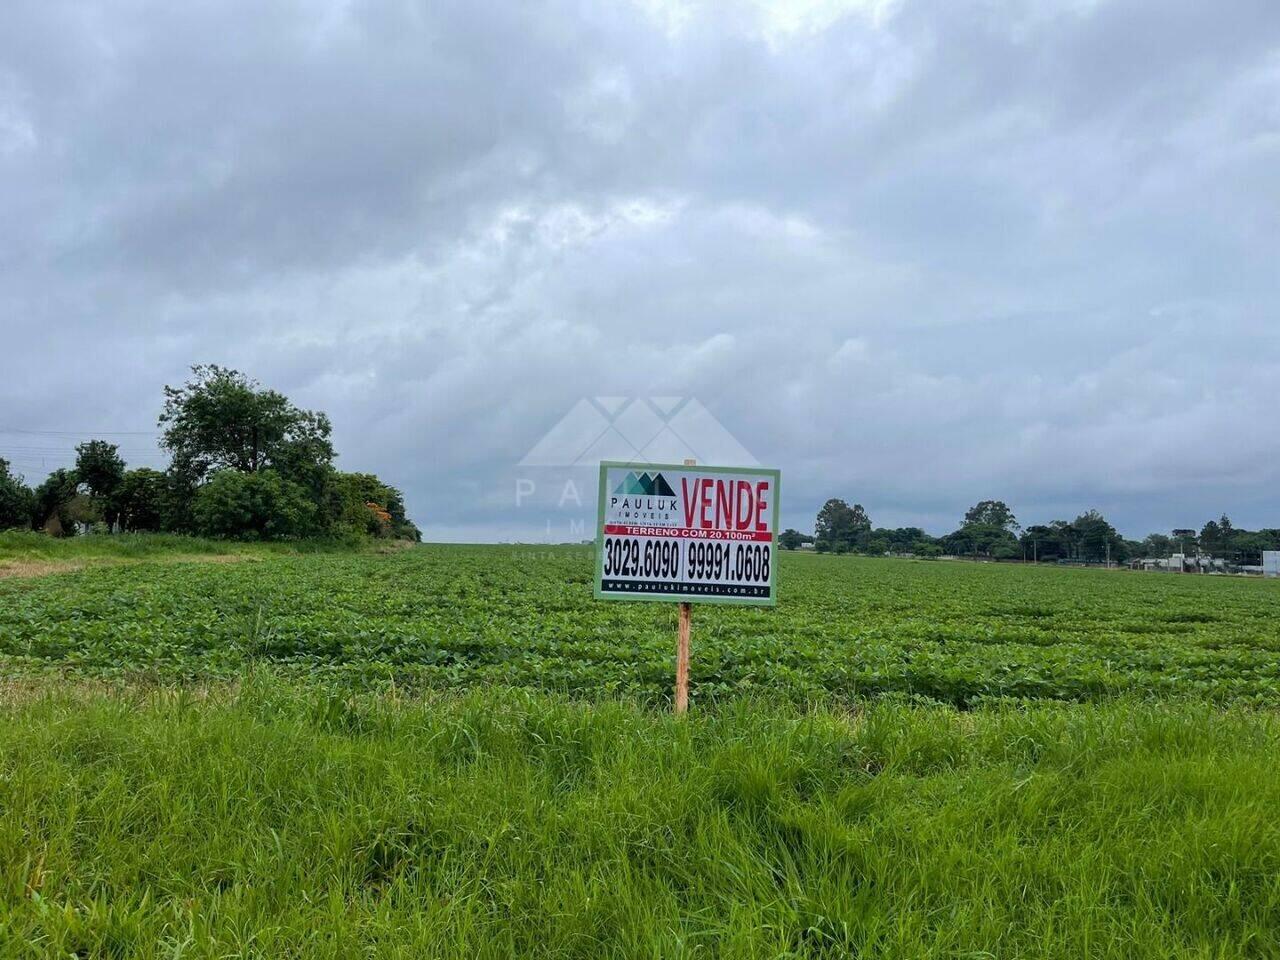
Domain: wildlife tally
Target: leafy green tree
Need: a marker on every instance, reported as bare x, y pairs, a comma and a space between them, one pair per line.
1247, 547
861, 527
84, 509
982, 540
1157, 545
401, 526
898, 540
100, 468
791, 539
987, 531
991, 513
261, 505
1211, 539
1225, 525
1095, 536
52, 500
927, 548
178, 502
1217, 537
221, 419
363, 503
353, 493
17, 503
139, 501
1047, 541
833, 524
841, 528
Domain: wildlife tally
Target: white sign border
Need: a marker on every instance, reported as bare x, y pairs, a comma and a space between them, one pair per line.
769, 601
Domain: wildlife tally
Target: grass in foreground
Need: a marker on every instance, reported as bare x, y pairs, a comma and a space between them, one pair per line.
275, 822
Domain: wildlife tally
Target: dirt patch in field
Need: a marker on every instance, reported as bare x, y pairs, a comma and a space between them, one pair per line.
38, 568
24, 569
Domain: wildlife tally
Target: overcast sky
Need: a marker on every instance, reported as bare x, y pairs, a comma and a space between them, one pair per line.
913, 254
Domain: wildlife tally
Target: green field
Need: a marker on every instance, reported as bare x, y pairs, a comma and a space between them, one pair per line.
455, 751
446, 616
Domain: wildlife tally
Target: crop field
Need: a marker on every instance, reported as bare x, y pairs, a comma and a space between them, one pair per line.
449, 617
456, 752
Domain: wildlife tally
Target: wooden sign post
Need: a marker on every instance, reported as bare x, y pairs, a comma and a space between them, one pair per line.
682, 658
689, 534
681, 703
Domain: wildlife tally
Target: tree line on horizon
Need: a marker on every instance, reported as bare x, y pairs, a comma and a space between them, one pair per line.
991, 531
245, 463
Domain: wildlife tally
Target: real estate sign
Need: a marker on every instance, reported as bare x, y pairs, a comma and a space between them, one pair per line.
706, 534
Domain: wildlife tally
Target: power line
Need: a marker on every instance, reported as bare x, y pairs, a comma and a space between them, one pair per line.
82, 433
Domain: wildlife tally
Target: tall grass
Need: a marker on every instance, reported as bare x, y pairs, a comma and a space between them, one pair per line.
35, 546
274, 821
32, 545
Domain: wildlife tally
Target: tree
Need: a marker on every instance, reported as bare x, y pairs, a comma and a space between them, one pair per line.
221, 419
791, 539
139, 500
1157, 545
354, 492
926, 548
991, 513
982, 540
1047, 541
987, 530
1097, 539
1247, 547
178, 502
402, 528
365, 504
833, 524
16, 500
52, 499
261, 505
1217, 537
1224, 523
898, 540
100, 469
82, 510
861, 527
841, 528
1211, 540
1185, 537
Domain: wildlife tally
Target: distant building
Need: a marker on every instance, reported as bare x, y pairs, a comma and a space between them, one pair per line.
1271, 563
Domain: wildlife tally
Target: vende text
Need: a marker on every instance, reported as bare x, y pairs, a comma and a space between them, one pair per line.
725, 504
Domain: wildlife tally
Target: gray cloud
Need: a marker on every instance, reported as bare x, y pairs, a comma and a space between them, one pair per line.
914, 254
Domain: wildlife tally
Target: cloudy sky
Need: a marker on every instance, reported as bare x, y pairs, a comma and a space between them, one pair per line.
914, 254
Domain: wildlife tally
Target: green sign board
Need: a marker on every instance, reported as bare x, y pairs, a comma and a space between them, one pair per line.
689, 533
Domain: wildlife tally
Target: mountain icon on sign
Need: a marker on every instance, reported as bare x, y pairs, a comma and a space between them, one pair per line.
645, 485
